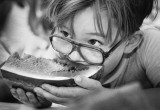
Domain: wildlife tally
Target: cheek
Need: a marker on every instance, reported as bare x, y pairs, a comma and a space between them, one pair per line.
113, 60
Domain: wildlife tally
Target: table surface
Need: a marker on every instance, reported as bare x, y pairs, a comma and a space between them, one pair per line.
16, 106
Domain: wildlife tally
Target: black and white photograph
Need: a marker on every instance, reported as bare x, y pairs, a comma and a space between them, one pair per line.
79, 54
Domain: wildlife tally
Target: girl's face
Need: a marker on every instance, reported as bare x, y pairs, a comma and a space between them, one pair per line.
86, 31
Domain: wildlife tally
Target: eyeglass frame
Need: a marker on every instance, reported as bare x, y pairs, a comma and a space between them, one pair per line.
77, 45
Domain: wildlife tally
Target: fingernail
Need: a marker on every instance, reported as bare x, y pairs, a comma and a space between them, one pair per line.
28, 94
45, 86
13, 91
78, 79
36, 89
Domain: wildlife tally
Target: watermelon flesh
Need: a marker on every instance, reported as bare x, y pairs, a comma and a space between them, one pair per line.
28, 71
47, 69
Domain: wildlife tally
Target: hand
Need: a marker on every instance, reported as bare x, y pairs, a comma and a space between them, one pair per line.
66, 95
29, 98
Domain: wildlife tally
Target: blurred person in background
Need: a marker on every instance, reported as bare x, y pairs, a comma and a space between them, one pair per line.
154, 19
23, 29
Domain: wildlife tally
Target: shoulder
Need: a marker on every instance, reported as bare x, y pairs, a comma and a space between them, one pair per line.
151, 39
149, 53
150, 33
150, 47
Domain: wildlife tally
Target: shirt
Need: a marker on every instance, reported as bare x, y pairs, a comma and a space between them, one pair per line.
143, 65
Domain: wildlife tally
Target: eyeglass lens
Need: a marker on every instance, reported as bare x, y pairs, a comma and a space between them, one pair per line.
65, 47
61, 45
92, 55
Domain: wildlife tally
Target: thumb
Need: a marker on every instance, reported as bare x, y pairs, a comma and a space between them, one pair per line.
87, 83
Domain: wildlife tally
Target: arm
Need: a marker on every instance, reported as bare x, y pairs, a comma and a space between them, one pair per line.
129, 97
153, 95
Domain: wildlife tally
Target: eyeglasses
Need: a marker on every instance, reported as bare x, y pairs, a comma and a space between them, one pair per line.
92, 55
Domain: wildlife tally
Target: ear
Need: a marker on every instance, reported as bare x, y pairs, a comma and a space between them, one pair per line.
133, 42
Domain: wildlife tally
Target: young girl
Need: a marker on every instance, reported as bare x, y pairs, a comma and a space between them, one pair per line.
109, 31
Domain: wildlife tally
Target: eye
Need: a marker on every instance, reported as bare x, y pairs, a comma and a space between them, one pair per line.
95, 42
65, 33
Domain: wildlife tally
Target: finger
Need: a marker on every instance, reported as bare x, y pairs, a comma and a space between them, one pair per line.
87, 83
65, 92
50, 97
32, 99
37, 102
22, 96
14, 93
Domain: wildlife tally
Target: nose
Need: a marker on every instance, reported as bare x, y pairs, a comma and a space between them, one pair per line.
75, 56
36, 46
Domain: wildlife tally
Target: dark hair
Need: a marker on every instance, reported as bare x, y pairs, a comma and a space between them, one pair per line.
128, 14
44, 19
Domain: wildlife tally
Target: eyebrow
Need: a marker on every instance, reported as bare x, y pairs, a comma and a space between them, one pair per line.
90, 33
96, 34
63, 26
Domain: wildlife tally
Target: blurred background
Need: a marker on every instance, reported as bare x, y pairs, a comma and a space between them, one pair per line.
154, 18
24, 28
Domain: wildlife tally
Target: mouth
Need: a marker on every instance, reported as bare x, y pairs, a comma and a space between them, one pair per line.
70, 65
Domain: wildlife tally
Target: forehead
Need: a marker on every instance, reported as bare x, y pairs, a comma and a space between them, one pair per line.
85, 21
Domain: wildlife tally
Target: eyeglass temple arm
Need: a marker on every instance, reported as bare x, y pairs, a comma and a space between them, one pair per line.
112, 49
